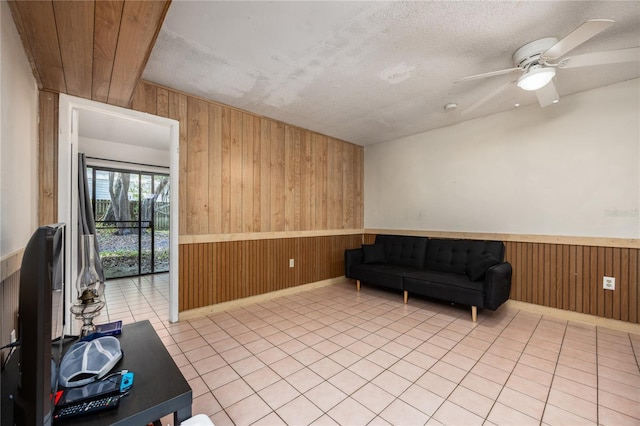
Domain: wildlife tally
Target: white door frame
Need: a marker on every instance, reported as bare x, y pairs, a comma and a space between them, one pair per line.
69, 107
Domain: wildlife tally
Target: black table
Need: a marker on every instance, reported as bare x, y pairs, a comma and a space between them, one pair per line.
159, 388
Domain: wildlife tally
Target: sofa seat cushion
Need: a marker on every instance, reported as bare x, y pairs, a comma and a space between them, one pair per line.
456, 288
385, 275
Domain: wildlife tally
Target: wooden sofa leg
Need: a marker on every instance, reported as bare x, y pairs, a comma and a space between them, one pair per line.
474, 313
358, 285
406, 296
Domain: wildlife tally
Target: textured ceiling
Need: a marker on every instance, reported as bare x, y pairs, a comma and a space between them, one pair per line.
368, 72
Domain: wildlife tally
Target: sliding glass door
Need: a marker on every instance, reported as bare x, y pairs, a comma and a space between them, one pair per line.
131, 211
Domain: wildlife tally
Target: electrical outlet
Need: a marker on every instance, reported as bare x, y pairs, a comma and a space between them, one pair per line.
13, 335
609, 283
291, 263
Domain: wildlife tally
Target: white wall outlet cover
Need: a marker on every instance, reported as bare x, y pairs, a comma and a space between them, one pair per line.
291, 263
609, 283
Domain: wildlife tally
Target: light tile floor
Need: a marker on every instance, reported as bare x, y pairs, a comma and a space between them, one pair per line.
335, 356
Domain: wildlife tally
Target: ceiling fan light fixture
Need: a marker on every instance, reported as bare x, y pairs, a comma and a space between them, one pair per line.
536, 77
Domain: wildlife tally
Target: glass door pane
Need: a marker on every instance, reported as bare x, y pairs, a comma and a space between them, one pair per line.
117, 223
132, 221
161, 223
146, 230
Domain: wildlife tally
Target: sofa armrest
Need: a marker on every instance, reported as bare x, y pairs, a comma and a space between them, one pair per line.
351, 257
497, 285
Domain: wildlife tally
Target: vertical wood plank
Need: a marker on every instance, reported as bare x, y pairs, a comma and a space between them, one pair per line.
572, 272
226, 171
178, 111
36, 24
305, 177
322, 202
596, 280
74, 22
634, 282
107, 26
215, 169
297, 179
360, 188
289, 179
620, 283
580, 302
349, 188
235, 172
198, 167
608, 270
277, 176
48, 158
162, 102
257, 174
247, 173
265, 175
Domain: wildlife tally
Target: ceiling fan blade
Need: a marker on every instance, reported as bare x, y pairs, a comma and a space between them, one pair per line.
578, 36
494, 93
489, 74
601, 58
547, 95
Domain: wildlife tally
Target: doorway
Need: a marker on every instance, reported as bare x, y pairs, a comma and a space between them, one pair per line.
131, 210
72, 111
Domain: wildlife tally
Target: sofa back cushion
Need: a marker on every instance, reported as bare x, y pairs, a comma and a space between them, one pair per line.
403, 250
454, 255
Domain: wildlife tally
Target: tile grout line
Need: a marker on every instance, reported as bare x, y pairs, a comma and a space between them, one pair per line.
510, 373
553, 376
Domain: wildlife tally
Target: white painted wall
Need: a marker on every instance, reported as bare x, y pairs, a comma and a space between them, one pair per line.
18, 141
115, 151
569, 169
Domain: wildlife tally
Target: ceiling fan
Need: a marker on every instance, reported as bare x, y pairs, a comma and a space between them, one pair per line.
537, 62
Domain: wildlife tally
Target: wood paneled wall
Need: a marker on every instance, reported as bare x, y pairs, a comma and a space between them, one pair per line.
569, 277
48, 158
219, 272
245, 174
9, 294
242, 173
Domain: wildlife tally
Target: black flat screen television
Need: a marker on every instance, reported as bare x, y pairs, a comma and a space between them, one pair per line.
40, 320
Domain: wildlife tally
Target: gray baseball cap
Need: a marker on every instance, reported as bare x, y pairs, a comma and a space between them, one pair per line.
87, 361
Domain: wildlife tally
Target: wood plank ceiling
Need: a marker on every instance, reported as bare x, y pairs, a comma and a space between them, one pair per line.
91, 49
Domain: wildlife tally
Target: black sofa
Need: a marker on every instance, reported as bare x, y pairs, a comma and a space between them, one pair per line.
468, 272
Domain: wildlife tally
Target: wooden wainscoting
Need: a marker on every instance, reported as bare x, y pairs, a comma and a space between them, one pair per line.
215, 272
569, 277
564, 272
9, 294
